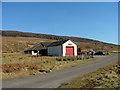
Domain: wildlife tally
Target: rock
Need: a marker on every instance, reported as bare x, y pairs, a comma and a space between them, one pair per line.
42, 70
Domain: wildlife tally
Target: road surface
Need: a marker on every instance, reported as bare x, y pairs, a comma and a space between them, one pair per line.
55, 79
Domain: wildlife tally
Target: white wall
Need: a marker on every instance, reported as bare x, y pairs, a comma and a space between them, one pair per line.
55, 51
61, 50
33, 53
73, 45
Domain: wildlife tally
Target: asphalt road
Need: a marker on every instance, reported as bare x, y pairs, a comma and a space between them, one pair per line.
55, 79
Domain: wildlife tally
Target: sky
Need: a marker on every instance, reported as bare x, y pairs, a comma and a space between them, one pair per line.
93, 20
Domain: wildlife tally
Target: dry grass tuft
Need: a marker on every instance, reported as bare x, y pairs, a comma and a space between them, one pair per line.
106, 77
17, 65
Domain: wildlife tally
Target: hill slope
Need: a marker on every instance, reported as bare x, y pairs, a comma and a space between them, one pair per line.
46, 36
15, 41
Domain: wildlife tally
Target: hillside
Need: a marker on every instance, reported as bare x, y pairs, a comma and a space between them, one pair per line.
46, 36
15, 41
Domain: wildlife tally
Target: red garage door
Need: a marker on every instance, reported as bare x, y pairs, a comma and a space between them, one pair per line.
69, 50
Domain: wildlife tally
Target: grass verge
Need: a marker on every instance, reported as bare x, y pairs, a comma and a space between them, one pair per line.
106, 77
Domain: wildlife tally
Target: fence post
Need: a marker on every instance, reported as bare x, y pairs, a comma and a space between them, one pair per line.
82, 56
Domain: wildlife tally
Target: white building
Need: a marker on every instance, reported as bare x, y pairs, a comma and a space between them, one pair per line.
59, 48
62, 48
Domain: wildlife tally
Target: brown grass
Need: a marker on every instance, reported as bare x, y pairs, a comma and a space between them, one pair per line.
106, 77
19, 44
17, 65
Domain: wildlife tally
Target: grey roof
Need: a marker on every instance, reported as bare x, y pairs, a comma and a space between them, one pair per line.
58, 43
37, 47
40, 46
44, 45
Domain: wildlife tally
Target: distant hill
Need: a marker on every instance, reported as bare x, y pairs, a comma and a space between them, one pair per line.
46, 36
15, 41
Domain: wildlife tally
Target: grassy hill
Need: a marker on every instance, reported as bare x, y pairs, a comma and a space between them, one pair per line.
15, 41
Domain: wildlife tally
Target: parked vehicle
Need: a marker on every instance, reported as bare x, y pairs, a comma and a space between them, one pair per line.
91, 52
99, 53
83, 52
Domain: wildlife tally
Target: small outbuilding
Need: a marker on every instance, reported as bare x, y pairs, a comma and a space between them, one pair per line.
40, 49
59, 48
